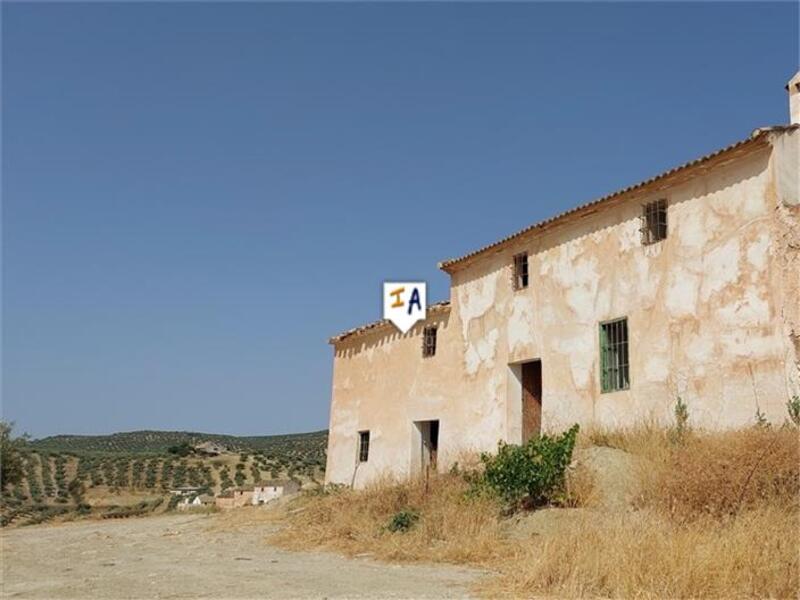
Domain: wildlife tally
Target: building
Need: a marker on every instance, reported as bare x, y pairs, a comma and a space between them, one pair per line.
235, 498
258, 494
266, 491
209, 449
198, 501
684, 285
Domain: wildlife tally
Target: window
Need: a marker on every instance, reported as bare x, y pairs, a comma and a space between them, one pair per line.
363, 446
520, 271
654, 222
428, 341
614, 367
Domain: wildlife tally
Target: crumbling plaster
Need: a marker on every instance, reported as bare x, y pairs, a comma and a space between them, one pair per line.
712, 316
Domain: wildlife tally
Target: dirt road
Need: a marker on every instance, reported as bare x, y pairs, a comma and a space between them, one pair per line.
185, 556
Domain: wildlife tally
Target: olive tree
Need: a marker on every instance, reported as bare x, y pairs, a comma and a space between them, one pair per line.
12, 466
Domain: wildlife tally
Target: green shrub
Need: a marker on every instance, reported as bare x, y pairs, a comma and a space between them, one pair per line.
403, 521
761, 421
11, 456
532, 474
793, 407
678, 432
225, 481
151, 473
137, 470
182, 449
47, 475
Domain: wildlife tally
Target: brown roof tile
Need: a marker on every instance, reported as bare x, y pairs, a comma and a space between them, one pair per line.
437, 307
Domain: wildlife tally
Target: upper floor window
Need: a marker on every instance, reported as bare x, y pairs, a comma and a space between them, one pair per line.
429, 341
614, 365
520, 271
654, 222
363, 446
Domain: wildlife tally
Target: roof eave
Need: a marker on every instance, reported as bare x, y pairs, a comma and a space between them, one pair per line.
378, 325
755, 139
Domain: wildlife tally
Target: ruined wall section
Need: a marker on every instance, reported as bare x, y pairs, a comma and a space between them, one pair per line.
703, 318
785, 193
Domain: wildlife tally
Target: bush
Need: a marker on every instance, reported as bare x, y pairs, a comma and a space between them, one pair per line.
793, 407
12, 467
182, 449
533, 473
403, 521
681, 428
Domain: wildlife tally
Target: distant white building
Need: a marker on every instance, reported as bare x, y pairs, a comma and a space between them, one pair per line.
195, 501
266, 491
209, 449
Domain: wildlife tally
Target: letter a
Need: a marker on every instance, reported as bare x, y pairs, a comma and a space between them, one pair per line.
414, 300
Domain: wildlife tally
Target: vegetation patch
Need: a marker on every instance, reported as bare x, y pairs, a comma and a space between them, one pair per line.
402, 521
530, 475
713, 515
107, 476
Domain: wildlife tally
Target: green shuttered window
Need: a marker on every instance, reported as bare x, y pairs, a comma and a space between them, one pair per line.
614, 364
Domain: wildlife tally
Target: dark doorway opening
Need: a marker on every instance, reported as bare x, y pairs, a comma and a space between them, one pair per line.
429, 434
531, 400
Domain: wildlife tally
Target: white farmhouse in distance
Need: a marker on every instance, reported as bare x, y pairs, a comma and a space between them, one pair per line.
684, 285
272, 489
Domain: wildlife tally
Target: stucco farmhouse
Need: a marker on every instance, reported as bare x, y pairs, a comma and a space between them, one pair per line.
684, 285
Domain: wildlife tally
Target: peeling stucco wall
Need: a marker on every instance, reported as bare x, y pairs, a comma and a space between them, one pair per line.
786, 178
713, 317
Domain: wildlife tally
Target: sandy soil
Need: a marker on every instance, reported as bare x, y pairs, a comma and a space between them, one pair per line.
186, 556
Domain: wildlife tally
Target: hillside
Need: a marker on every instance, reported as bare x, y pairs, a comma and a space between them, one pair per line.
155, 442
128, 474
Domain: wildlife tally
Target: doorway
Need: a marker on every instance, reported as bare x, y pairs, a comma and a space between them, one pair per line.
531, 399
429, 444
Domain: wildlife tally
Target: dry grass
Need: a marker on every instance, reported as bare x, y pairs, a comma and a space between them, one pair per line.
645, 555
710, 473
716, 516
724, 473
451, 528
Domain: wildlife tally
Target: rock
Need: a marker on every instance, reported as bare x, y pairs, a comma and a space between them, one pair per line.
614, 475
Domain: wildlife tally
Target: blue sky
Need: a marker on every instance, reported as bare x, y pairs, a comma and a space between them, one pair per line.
196, 196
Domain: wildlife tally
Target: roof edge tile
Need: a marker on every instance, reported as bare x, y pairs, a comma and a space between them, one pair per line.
355, 331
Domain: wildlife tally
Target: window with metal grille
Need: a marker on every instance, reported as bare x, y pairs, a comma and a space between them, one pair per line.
614, 365
429, 341
654, 222
520, 271
363, 446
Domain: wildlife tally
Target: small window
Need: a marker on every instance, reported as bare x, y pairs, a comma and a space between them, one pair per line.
363, 446
614, 366
654, 222
428, 341
520, 271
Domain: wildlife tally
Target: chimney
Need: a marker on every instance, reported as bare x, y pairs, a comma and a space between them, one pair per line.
794, 99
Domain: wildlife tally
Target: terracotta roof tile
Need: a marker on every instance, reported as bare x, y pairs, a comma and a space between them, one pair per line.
437, 307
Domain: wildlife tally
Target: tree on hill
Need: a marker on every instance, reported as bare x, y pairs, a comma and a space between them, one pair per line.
182, 449
12, 465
